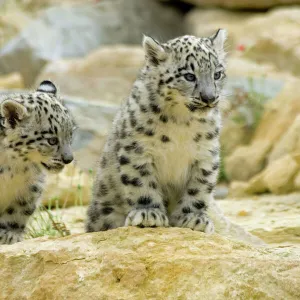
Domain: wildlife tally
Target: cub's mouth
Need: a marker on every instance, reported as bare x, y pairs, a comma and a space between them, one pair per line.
53, 168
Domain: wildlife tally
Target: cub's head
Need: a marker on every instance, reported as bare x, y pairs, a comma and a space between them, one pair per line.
36, 127
188, 68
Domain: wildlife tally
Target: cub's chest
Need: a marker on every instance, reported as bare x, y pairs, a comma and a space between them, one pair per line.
174, 150
13, 184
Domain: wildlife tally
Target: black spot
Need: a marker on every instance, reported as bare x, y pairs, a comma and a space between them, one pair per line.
153, 215
202, 180
193, 192
124, 160
144, 200
165, 139
103, 190
199, 204
22, 202
197, 137
186, 210
106, 226
170, 79
35, 189
153, 185
125, 179
163, 118
210, 187
103, 162
209, 135
206, 172
149, 132
28, 211
202, 120
10, 210
136, 182
155, 108
215, 166
129, 201
143, 108
107, 210
13, 225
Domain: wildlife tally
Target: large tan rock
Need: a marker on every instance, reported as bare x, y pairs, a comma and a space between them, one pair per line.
244, 4
204, 22
279, 115
132, 263
276, 44
289, 142
279, 175
106, 74
277, 178
247, 161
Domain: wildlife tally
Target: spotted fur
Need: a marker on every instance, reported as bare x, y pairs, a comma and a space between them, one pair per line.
160, 163
35, 136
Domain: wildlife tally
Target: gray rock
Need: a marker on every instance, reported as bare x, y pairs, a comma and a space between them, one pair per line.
73, 31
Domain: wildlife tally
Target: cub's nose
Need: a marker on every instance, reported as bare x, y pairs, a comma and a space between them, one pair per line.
67, 158
207, 98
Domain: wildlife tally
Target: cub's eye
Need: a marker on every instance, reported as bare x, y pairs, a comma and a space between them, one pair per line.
217, 75
53, 141
190, 77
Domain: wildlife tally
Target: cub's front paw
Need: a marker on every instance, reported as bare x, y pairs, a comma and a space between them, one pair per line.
147, 217
9, 238
199, 222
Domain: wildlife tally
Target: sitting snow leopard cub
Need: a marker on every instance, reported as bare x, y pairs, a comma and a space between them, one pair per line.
161, 160
35, 136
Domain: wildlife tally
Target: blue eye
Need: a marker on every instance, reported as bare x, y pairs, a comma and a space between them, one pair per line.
53, 141
217, 75
190, 77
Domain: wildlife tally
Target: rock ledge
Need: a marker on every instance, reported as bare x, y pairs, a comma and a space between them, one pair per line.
132, 263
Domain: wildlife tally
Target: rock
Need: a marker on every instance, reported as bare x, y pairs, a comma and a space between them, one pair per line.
155, 263
105, 75
282, 111
277, 178
204, 22
88, 26
243, 4
279, 44
289, 142
275, 219
70, 187
279, 175
11, 81
12, 21
246, 161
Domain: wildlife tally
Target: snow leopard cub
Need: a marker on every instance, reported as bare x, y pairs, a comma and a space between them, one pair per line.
160, 163
35, 136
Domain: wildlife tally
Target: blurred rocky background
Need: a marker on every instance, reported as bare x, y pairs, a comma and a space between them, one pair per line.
92, 51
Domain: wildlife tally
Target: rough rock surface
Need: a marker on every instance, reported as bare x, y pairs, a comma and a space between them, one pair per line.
243, 4
131, 263
275, 219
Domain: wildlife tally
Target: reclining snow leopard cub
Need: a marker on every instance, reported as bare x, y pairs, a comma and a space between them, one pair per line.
35, 136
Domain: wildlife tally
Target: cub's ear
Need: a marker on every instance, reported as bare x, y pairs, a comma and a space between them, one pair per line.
218, 41
47, 86
13, 112
154, 51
